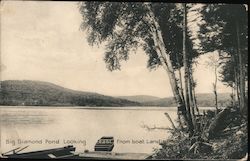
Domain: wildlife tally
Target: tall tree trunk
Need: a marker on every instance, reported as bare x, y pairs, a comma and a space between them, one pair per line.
181, 86
180, 89
166, 62
236, 79
242, 69
186, 71
215, 88
238, 90
194, 95
185, 59
180, 76
233, 96
190, 95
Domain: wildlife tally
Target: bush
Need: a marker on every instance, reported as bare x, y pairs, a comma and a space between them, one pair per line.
229, 143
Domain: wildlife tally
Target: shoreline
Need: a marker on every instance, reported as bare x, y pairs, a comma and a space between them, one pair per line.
103, 107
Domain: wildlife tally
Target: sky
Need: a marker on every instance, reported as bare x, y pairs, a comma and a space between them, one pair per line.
43, 41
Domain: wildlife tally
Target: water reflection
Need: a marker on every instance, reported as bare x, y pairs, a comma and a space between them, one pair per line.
23, 117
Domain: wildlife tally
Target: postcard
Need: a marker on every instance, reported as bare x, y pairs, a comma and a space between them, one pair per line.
123, 80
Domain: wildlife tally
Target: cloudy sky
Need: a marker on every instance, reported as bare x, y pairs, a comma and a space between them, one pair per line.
43, 41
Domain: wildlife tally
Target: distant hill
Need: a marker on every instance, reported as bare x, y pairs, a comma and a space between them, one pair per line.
140, 98
203, 100
26, 92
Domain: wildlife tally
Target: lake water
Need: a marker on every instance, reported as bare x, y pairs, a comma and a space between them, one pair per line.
51, 127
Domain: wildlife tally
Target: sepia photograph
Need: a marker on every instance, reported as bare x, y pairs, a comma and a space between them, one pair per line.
123, 80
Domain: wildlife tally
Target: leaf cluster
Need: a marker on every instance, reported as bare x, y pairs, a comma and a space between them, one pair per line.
124, 27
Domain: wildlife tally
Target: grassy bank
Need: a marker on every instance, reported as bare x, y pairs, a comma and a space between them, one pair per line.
229, 142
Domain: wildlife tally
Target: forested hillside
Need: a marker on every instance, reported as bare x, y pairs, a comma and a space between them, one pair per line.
15, 92
203, 100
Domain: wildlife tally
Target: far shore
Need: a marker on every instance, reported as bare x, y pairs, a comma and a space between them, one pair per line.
106, 108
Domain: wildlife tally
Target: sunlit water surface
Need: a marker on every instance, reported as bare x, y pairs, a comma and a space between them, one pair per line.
51, 127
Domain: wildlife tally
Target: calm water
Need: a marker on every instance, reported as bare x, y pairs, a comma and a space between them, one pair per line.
46, 127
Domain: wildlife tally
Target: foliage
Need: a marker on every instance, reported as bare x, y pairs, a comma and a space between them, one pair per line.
174, 147
218, 32
124, 27
227, 72
229, 143
235, 146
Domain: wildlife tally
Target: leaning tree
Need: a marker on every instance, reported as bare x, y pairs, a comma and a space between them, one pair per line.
155, 27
